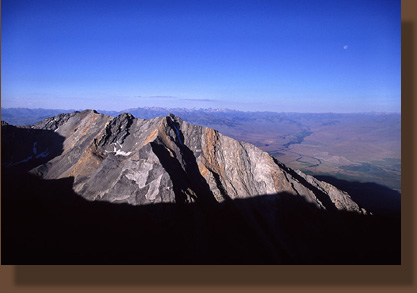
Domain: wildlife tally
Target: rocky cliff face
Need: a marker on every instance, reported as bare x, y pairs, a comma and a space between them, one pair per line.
162, 160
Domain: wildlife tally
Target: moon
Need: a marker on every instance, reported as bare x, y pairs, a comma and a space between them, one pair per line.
345, 47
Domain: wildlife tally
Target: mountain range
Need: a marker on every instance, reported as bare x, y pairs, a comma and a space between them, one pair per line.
355, 147
86, 187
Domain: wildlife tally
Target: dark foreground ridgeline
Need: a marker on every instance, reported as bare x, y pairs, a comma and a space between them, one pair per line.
45, 222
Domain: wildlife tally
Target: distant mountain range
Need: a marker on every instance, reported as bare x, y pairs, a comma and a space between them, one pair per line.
27, 116
86, 187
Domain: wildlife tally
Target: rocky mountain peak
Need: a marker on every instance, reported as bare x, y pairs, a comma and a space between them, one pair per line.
165, 159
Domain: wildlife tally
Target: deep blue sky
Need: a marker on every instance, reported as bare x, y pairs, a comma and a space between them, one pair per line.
298, 56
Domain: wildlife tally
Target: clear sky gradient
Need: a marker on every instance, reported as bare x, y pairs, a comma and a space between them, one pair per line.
283, 56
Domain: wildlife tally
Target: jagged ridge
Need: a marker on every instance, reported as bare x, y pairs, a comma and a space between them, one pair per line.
165, 159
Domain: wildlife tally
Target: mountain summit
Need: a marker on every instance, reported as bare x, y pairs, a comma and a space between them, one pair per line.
164, 160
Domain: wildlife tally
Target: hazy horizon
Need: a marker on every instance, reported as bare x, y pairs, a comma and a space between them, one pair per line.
280, 56
198, 108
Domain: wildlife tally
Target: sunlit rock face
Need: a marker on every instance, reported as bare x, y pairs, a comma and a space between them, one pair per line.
124, 159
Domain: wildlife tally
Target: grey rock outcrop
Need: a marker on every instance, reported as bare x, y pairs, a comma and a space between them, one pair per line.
165, 159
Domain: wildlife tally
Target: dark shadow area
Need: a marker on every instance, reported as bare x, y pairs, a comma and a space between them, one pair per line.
45, 222
23, 148
375, 198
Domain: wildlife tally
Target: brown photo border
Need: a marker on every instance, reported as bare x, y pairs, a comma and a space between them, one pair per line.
263, 278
